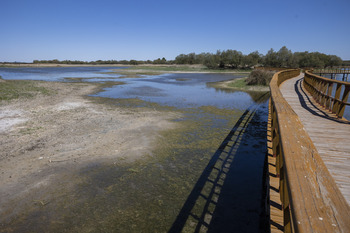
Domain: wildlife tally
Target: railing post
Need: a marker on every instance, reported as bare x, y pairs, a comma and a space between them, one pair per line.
329, 94
343, 101
275, 139
336, 103
323, 96
286, 208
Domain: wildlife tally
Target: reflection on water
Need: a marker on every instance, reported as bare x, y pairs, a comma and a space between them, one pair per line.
181, 90
56, 73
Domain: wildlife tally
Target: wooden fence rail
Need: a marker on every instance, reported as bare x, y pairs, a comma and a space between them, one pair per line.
321, 90
333, 71
311, 201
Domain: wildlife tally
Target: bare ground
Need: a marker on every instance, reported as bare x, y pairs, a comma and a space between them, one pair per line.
46, 137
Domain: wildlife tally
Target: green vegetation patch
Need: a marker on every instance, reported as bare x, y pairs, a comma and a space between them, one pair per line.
259, 77
14, 89
240, 84
135, 71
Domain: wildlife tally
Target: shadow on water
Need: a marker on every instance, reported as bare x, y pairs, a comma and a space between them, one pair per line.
228, 195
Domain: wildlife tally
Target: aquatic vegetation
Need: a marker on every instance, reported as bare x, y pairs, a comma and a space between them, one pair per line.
144, 195
14, 89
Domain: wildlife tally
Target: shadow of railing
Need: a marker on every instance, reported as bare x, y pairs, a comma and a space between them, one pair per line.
305, 102
228, 194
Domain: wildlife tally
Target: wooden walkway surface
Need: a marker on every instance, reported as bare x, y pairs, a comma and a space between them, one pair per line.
330, 135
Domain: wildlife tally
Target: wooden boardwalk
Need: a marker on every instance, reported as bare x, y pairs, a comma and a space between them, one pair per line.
330, 135
275, 204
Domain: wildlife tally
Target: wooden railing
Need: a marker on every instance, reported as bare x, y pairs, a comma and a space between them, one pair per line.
333, 71
322, 90
311, 201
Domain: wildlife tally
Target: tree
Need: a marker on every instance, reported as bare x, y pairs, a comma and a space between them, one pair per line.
334, 61
234, 58
252, 59
212, 61
284, 57
270, 59
133, 62
160, 61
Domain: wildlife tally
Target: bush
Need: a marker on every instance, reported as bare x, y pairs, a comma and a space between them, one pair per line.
259, 77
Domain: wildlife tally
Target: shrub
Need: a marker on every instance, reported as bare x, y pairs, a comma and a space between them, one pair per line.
259, 77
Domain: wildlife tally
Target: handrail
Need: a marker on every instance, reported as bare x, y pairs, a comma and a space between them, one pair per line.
321, 90
311, 201
333, 71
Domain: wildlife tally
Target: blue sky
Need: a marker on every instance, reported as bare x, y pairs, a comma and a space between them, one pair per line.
111, 29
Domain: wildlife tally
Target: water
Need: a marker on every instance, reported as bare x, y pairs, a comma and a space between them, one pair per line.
181, 91
58, 73
162, 192
177, 90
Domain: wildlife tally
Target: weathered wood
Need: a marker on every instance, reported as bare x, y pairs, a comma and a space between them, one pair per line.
330, 135
332, 71
275, 204
321, 90
316, 203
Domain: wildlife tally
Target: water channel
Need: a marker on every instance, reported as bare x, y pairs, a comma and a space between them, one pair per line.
206, 176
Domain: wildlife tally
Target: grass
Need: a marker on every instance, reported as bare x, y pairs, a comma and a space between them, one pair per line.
192, 68
239, 84
161, 69
14, 89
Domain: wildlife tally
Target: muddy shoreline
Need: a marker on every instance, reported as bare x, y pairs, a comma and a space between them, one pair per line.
45, 139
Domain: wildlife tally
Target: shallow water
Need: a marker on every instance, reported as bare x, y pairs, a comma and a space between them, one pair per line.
180, 90
57, 73
176, 90
221, 138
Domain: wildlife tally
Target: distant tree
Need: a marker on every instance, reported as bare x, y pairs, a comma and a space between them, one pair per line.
133, 62
334, 61
181, 59
270, 59
160, 61
346, 63
252, 59
212, 61
284, 57
232, 58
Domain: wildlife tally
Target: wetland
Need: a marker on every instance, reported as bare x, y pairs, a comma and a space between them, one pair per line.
101, 151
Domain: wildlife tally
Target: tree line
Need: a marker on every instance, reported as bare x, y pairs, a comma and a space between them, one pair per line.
283, 58
231, 59
103, 62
